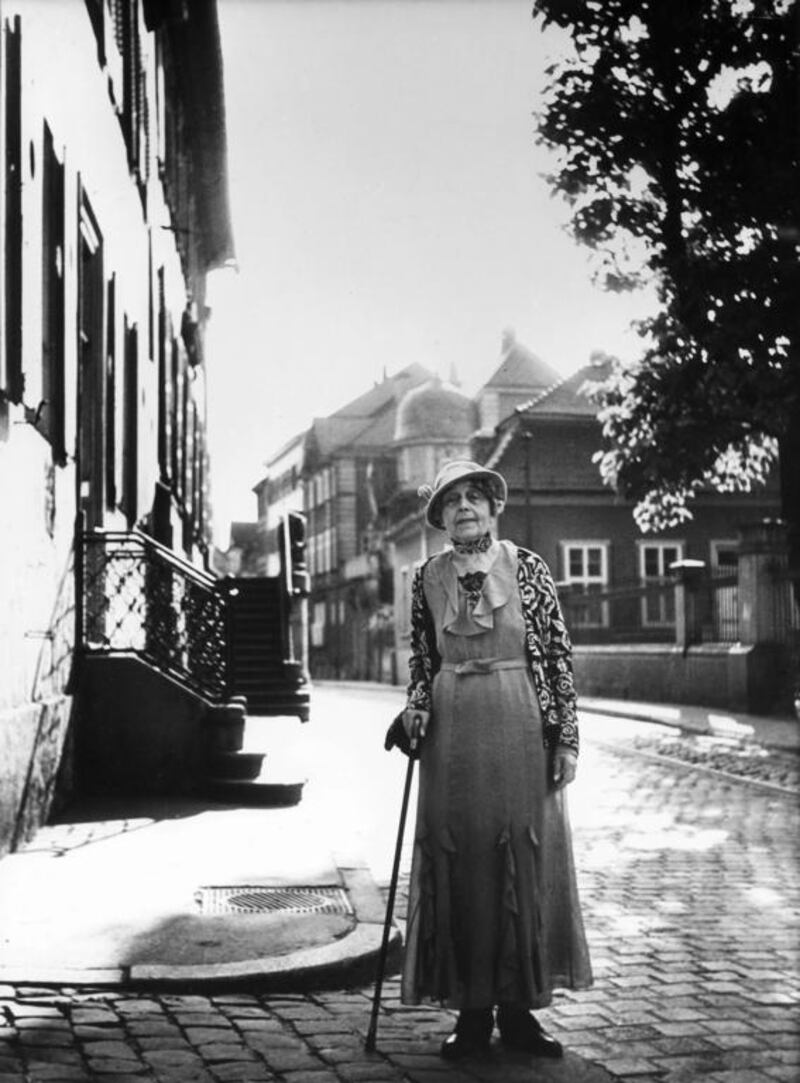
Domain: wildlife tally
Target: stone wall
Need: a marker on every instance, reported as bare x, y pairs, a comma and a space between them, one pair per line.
136, 731
36, 627
32, 741
732, 677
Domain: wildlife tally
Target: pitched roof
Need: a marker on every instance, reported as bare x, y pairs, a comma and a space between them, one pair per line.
435, 411
291, 443
391, 388
379, 431
565, 399
330, 433
519, 367
566, 396
368, 419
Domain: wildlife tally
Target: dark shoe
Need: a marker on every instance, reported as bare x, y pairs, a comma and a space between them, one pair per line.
520, 1029
471, 1036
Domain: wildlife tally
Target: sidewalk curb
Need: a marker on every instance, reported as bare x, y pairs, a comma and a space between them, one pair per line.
350, 960
777, 733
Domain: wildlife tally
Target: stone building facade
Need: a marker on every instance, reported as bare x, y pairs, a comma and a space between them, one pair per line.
110, 218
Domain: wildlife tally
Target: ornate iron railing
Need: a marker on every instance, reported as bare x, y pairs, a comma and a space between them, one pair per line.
138, 598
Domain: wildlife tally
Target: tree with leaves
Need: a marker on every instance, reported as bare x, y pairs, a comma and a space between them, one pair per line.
674, 127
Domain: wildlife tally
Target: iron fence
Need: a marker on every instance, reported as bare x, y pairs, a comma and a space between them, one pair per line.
632, 612
715, 604
786, 607
138, 598
647, 612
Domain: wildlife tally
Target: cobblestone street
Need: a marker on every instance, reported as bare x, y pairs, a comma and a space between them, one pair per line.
689, 880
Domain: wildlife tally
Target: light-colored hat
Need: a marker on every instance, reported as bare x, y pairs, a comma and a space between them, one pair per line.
451, 473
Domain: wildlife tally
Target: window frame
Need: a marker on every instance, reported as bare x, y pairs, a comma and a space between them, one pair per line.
583, 618
665, 617
720, 545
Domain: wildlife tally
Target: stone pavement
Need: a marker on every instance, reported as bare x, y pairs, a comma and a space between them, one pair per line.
689, 879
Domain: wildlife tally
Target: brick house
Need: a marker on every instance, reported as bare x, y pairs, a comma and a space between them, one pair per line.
559, 507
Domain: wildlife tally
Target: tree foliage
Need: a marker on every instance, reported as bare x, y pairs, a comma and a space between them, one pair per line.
676, 137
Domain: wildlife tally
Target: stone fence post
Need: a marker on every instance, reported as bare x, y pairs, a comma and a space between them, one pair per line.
762, 554
688, 575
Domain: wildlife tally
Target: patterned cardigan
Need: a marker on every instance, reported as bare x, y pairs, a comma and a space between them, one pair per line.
547, 644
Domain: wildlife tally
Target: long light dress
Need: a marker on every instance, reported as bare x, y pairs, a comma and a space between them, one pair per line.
493, 912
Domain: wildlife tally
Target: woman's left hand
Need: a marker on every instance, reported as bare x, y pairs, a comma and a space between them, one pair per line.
565, 764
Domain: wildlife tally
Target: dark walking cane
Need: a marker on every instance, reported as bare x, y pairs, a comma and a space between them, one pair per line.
369, 1043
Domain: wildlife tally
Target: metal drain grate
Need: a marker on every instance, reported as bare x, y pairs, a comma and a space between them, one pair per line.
245, 899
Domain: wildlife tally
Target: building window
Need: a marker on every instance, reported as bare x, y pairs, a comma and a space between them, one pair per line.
318, 625
404, 603
586, 572
655, 558
724, 556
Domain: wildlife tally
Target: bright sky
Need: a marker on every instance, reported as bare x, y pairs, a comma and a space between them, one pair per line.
387, 208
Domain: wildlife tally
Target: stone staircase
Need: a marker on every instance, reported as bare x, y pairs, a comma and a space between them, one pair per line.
260, 672
237, 777
263, 683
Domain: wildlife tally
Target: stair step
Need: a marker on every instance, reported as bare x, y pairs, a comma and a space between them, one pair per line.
241, 766
275, 695
247, 683
267, 794
259, 652
225, 738
277, 710
225, 725
261, 679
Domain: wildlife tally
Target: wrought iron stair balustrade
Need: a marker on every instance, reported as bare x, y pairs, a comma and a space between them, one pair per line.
139, 598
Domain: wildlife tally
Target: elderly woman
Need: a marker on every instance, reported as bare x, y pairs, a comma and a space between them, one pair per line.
493, 916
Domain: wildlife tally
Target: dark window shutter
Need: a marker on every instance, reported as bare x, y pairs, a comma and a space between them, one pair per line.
130, 425
51, 422
111, 393
14, 380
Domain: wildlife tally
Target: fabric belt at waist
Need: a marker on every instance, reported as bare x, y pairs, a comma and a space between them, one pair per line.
484, 665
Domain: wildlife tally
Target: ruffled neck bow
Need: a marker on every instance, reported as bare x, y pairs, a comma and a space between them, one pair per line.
498, 582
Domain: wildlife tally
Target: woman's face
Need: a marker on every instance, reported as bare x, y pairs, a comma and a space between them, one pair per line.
466, 513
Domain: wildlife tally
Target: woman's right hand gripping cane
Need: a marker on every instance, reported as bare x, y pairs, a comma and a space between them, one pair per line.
415, 723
